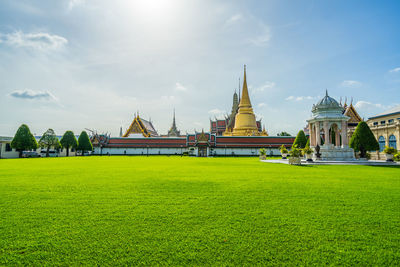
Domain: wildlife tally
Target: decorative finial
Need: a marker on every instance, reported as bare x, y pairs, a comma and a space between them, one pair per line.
351, 103
340, 101
326, 90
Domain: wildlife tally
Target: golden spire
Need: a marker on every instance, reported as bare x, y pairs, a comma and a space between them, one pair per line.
245, 119
245, 99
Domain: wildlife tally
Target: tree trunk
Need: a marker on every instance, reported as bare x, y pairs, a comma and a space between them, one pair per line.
67, 151
362, 152
47, 152
20, 153
83, 153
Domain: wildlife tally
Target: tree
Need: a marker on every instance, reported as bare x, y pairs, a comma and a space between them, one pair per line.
308, 143
363, 139
69, 141
23, 140
283, 134
49, 140
300, 140
84, 143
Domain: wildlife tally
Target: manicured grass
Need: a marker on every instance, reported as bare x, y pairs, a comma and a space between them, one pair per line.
196, 211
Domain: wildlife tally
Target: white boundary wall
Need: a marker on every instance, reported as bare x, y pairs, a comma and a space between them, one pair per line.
178, 151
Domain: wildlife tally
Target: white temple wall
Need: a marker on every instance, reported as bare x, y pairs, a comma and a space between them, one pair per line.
139, 151
243, 151
179, 151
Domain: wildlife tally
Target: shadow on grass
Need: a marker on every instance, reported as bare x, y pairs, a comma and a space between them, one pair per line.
386, 166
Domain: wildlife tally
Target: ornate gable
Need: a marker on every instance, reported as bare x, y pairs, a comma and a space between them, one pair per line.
139, 126
352, 113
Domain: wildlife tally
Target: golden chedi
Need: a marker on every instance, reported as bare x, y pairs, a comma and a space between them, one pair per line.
245, 120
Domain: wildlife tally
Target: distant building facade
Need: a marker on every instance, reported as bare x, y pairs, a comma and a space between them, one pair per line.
386, 129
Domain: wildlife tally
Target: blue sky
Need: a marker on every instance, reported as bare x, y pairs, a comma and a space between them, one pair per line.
75, 64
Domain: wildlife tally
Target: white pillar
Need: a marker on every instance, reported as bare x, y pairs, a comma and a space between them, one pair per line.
317, 134
311, 131
337, 137
344, 134
326, 130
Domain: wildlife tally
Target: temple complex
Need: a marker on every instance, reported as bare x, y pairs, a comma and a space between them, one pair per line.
328, 130
239, 134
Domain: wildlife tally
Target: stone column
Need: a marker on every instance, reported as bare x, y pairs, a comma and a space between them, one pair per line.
326, 130
337, 137
317, 134
311, 131
344, 133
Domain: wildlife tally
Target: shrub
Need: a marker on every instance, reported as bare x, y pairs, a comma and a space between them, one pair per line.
397, 157
308, 150
301, 140
263, 152
363, 139
389, 150
295, 152
284, 150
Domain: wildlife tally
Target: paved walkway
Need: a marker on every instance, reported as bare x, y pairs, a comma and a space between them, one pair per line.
325, 162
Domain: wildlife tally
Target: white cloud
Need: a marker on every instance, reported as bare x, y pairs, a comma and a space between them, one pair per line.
74, 3
232, 20
299, 98
350, 83
217, 112
395, 70
368, 105
40, 41
266, 85
33, 95
260, 105
263, 38
180, 87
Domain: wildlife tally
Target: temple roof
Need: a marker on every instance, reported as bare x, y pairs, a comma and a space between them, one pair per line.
392, 111
327, 101
140, 126
328, 107
351, 112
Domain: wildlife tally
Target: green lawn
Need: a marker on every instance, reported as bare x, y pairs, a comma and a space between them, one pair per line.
196, 211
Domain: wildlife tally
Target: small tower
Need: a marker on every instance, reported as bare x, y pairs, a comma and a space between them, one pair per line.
120, 132
173, 132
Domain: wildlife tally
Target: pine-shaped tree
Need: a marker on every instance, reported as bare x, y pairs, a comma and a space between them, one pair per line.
84, 143
23, 140
69, 141
300, 140
363, 139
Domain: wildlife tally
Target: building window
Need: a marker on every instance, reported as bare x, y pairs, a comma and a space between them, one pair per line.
392, 141
381, 141
391, 121
376, 123
8, 147
383, 122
